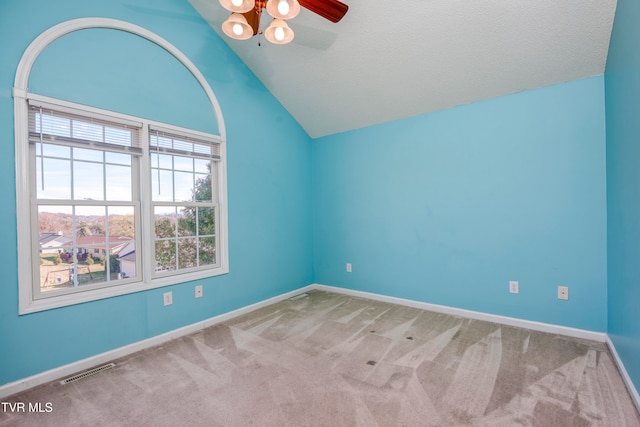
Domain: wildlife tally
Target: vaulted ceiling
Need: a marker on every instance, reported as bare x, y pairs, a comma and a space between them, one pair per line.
387, 60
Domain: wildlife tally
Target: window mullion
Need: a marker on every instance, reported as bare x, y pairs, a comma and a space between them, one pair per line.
144, 240
177, 238
71, 178
41, 152
197, 235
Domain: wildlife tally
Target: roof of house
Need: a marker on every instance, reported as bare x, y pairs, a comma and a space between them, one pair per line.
131, 256
88, 240
49, 237
97, 241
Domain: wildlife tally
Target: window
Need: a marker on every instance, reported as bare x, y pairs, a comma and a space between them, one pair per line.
184, 207
108, 204
88, 172
85, 193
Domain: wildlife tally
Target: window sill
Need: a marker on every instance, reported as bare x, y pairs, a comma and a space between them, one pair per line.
34, 306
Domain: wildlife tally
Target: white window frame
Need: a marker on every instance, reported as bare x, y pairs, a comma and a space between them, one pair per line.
201, 140
28, 233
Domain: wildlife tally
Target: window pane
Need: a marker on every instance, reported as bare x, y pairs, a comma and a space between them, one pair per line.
118, 182
50, 150
162, 185
164, 161
165, 221
206, 222
207, 250
203, 188
57, 178
55, 276
201, 165
165, 255
127, 263
187, 253
117, 158
88, 181
183, 163
186, 221
184, 186
122, 255
90, 221
88, 270
122, 222
98, 254
55, 229
91, 155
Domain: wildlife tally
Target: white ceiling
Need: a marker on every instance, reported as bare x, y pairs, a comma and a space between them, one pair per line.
387, 60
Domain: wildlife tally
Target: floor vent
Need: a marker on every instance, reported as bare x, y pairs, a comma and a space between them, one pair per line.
87, 373
297, 297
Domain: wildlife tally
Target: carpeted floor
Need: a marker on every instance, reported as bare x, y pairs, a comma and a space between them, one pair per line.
333, 360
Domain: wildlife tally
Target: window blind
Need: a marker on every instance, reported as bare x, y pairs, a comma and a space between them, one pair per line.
171, 142
53, 126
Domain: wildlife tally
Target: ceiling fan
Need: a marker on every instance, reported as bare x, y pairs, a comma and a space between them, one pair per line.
244, 21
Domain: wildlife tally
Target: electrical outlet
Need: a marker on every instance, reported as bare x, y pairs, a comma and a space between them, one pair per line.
168, 298
563, 292
199, 291
513, 287
348, 267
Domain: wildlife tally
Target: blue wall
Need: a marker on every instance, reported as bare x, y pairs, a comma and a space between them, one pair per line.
269, 158
448, 207
622, 86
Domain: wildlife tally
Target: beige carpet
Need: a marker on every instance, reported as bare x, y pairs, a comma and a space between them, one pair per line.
333, 360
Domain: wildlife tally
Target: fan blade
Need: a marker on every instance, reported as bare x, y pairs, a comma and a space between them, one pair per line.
333, 10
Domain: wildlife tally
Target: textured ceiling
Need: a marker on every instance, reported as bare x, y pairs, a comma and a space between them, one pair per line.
392, 59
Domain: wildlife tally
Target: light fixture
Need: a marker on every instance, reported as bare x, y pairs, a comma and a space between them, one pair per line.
283, 9
238, 6
278, 32
244, 21
237, 27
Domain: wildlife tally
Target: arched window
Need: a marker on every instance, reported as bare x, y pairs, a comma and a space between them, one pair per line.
110, 202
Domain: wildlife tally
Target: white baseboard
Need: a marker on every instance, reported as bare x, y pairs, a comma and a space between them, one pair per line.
477, 315
99, 359
625, 375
